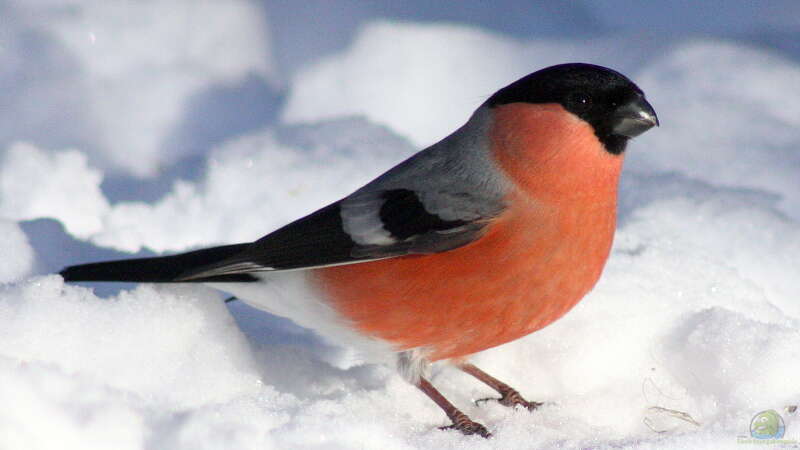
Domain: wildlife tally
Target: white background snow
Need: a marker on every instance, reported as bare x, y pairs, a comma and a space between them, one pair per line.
163, 125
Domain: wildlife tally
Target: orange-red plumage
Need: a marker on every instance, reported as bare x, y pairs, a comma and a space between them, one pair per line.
534, 263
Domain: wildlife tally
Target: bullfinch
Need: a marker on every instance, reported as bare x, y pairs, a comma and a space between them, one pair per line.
488, 235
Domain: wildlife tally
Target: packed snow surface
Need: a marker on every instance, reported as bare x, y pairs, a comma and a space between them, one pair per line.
134, 130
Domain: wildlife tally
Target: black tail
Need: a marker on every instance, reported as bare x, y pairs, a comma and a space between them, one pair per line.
163, 269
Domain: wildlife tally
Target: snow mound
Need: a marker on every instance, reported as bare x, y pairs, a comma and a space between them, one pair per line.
137, 66
731, 117
402, 76
61, 185
148, 340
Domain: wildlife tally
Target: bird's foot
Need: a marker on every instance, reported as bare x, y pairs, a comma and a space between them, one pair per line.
511, 399
467, 426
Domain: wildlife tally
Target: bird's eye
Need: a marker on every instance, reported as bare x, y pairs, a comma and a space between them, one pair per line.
579, 101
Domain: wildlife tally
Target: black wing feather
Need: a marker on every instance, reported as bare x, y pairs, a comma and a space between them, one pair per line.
163, 269
403, 215
315, 240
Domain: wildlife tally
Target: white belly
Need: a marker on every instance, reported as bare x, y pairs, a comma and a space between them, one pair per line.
291, 295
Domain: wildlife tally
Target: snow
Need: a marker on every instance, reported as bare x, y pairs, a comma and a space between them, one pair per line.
392, 68
14, 243
135, 62
209, 210
131, 130
70, 191
754, 143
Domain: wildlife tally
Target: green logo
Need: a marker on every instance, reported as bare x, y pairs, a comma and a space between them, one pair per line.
767, 425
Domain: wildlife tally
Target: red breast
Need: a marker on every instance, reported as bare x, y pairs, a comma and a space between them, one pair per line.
534, 263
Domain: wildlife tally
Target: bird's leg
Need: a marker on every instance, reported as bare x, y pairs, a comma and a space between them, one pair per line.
461, 421
508, 395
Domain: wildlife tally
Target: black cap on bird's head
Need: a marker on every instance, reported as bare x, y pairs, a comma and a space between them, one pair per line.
611, 103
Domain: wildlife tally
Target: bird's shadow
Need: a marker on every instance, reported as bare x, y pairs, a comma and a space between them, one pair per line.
296, 360
55, 249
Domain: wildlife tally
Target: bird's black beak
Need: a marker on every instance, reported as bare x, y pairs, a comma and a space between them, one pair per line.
634, 118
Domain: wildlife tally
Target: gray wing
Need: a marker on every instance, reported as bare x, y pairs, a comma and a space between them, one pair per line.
439, 199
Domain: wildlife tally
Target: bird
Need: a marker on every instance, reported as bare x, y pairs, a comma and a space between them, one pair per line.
484, 237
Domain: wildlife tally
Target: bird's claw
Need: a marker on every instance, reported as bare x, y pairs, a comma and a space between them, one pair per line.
468, 427
511, 399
